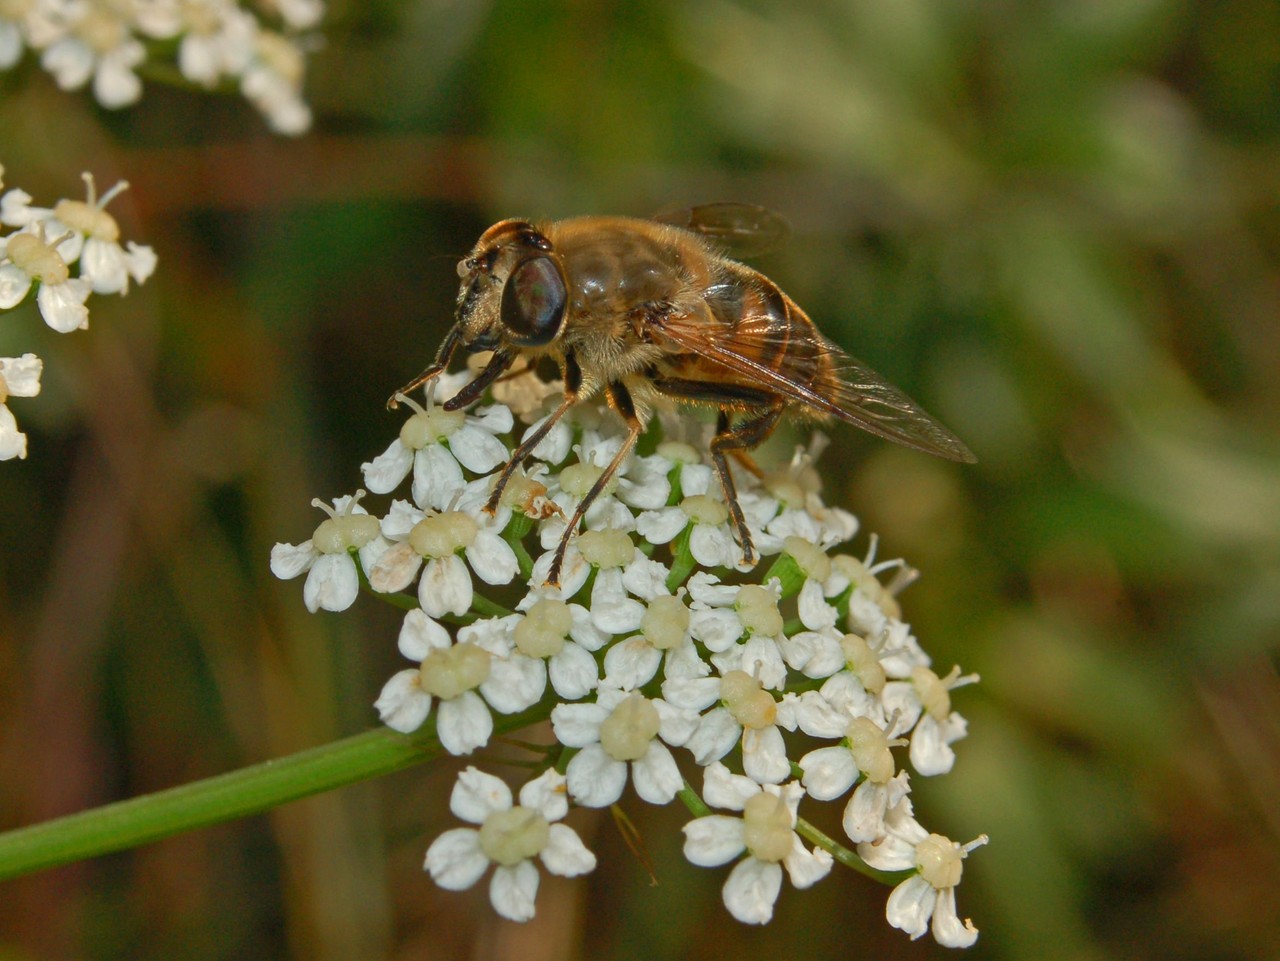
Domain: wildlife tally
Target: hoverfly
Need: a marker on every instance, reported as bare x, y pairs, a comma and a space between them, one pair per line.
639, 310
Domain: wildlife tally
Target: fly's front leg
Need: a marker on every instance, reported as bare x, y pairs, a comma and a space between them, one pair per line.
472, 392
620, 400
452, 341
763, 409
572, 394
735, 440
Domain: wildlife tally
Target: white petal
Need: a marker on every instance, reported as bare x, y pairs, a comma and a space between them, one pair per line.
331, 583
455, 859
764, 755
675, 724
645, 578
514, 683
445, 586
573, 672
715, 737
554, 447
707, 590
813, 654
384, 473
595, 779
661, 526
62, 305
695, 479
290, 560
420, 635
565, 854
713, 545
573, 573
631, 663
828, 772
930, 751
818, 717
815, 613
655, 776
761, 659
691, 693
513, 890
464, 723
14, 285
547, 794
577, 725
141, 261
714, 840
70, 62
901, 697
477, 794
13, 443
722, 788
395, 569
717, 628
911, 905
436, 477
584, 632
948, 930
612, 611
650, 494
492, 558
403, 705
806, 868
476, 449
751, 890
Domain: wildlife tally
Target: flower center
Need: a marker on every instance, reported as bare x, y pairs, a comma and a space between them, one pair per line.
938, 860
870, 749
88, 219
542, 631
625, 734
450, 671
338, 534
430, 427
666, 622
606, 548
808, 557
767, 823
509, 837
933, 693
443, 534
863, 663
578, 479
757, 609
751, 705
704, 509
37, 259
785, 488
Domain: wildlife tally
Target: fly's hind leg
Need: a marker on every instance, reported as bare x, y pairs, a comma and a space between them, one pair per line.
737, 440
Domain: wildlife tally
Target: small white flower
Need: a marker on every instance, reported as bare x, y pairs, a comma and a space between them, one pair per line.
924, 703
510, 836
19, 377
436, 445
746, 714
563, 636
765, 833
710, 540
664, 640
622, 729
27, 257
930, 894
332, 580
103, 261
441, 540
272, 82
447, 672
101, 46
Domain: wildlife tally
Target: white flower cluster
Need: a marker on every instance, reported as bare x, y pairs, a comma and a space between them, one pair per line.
216, 42
39, 255
658, 650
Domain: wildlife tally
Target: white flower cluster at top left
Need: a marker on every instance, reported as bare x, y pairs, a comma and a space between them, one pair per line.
102, 43
658, 653
39, 255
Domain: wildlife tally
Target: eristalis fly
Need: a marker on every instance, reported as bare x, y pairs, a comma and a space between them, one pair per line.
640, 310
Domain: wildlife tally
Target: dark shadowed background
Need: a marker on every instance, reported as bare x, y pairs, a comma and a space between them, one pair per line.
1054, 224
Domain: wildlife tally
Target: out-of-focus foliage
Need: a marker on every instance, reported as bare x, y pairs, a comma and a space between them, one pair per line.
1053, 223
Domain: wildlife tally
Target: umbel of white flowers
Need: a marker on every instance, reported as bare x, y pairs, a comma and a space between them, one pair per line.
39, 255
260, 46
658, 652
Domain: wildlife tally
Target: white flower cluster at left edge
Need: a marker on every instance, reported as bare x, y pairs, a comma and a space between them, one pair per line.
39, 255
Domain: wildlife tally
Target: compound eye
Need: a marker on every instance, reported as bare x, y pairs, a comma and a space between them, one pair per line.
533, 302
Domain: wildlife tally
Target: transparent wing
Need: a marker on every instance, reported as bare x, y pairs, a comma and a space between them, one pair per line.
740, 230
857, 394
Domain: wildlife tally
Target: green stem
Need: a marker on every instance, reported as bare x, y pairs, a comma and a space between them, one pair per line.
226, 797
846, 857
682, 562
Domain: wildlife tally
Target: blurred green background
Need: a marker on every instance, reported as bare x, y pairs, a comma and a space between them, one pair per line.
1053, 223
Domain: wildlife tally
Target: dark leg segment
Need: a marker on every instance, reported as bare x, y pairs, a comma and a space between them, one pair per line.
746, 435
452, 340
469, 394
619, 400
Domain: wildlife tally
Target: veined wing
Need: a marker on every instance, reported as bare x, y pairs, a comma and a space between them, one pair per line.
740, 230
856, 393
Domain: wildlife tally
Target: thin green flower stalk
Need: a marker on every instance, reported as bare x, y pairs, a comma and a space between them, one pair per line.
659, 652
40, 247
